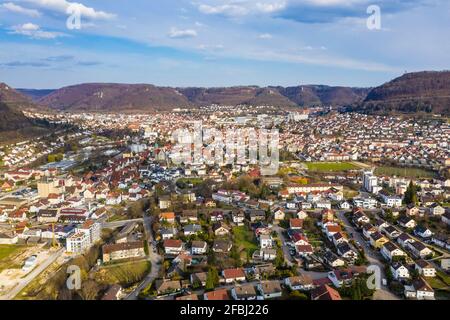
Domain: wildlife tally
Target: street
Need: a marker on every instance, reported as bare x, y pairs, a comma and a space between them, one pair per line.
372, 256
154, 258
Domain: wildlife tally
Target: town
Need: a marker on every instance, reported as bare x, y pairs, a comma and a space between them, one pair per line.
354, 196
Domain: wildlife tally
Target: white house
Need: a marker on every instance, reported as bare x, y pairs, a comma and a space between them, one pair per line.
399, 271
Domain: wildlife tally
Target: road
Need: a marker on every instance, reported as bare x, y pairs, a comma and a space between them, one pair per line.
372, 256
287, 255
153, 257
32, 275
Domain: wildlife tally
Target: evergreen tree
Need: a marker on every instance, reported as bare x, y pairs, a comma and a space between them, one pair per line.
410, 194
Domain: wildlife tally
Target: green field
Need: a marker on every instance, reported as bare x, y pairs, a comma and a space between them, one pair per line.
244, 239
405, 172
330, 166
7, 253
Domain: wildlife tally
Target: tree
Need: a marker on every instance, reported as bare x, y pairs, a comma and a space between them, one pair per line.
297, 295
89, 290
410, 194
212, 279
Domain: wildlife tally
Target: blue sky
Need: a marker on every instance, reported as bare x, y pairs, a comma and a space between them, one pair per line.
220, 42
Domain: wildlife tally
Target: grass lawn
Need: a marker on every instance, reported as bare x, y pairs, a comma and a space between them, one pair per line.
7, 253
330, 166
126, 274
244, 239
405, 172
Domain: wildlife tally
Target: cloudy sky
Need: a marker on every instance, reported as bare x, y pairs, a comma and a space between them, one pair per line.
219, 42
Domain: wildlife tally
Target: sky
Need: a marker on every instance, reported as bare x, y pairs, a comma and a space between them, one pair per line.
215, 43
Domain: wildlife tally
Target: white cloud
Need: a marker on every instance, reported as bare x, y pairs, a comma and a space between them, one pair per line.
175, 33
242, 8
34, 31
226, 9
265, 36
63, 6
270, 7
18, 9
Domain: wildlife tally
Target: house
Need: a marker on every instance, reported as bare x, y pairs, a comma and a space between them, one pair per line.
216, 216
167, 233
341, 278
325, 292
233, 275
412, 210
420, 290
166, 286
304, 250
302, 282
345, 205
188, 216
244, 292
391, 232
173, 246
377, 240
270, 289
436, 210
419, 249
425, 268
198, 279
423, 232
407, 222
265, 241
404, 239
346, 252
267, 254
368, 230
199, 247
390, 200
296, 224
302, 214
257, 215
220, 294
125, 250
220, 229
168, 217
399, 271
389, 250
279, 214
333, 260
331, 230
48, 216
338, 238
222, 246
442, 240
238, 217
359, 218
299, 239
164, 202
192, 229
